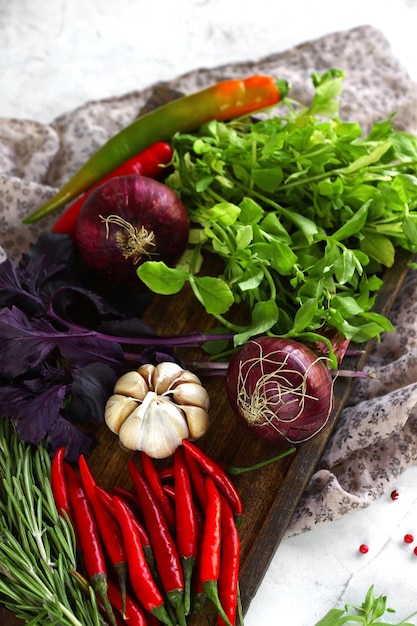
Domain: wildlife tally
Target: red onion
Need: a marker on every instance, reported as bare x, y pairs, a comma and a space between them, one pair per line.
128, 220
280, 388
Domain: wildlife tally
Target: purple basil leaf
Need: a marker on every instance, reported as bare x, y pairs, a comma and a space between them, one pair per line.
91, 388
82, 351
24, 343
41, 280
69, 302
14, 401
55, 248
38, 414
41, 270
64, 433
13, 292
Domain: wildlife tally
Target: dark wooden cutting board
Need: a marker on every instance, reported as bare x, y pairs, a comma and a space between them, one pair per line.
270, 495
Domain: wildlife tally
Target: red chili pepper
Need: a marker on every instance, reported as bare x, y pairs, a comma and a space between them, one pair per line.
228, 583
108, 528
107, 500
130, 610
211, 546
150, 163
185, 522
197, 478
59, 484
222, 101
127, 495
152, 476
89, 539
222, 480
199, 596
143, 583
167, 473
170, 491
166, 554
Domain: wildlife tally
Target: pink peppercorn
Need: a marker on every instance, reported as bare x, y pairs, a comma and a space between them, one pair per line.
363, 548
408, 538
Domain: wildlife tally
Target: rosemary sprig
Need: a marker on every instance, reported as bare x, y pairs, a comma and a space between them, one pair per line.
37, 546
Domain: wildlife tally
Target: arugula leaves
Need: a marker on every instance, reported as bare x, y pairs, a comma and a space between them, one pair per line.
304, 211
368, 614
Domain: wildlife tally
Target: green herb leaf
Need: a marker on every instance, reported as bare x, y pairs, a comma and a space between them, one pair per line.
225, 213
264, 316
332, 618
162, 279
369, 159
215, 295
378, 247
368, 614
304, 316
354, 225
250, 211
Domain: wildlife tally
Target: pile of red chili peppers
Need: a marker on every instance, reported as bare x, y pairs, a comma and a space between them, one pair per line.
154, 555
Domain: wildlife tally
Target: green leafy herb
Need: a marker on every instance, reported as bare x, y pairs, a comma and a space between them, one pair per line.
37, 547
369, 613
304, 211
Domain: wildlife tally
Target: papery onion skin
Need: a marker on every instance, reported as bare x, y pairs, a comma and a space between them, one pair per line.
281, 389
140, 203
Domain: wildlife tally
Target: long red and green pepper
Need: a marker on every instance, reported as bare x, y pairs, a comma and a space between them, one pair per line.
224, 100
173, 565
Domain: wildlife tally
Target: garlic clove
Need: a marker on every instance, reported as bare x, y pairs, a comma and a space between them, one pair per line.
165, 375
197, 421
191, 393
156, 427
118, 408
132, 384
146, 371
186, 377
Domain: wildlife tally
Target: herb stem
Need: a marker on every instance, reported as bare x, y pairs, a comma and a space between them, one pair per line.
36, 556
192, 339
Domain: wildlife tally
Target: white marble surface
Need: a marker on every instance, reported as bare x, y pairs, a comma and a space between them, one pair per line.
57, 55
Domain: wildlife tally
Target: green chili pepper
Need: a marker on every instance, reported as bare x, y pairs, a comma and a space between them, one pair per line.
225, 100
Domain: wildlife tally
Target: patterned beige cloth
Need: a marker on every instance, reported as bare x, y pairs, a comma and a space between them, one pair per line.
376, 437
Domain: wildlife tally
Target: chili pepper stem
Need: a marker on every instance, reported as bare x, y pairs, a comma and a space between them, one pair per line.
176, 598
210, 587
199, 599
99, 584
121, 570
150, 559
234, 471
188, 563
161, 613
239, 607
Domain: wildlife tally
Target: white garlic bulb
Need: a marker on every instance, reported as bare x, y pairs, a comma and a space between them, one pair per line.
157, 406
